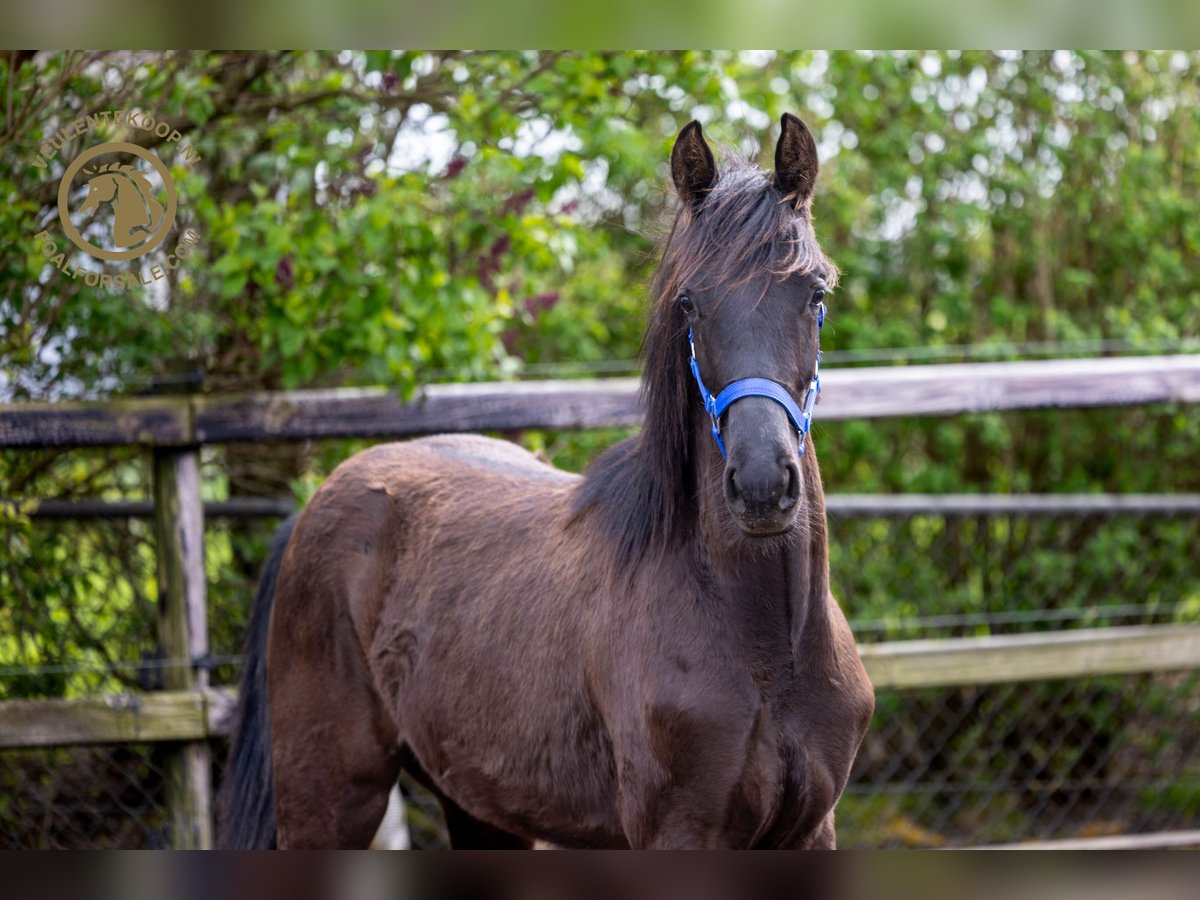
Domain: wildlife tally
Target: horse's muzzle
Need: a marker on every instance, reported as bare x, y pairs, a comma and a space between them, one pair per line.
764, 496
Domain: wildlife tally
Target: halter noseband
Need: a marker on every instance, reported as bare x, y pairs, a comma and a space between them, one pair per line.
801, 418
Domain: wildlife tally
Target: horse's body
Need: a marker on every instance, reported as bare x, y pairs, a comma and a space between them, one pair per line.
599, 661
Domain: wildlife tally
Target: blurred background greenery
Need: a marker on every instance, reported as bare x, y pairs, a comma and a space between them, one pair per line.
623, 23
401, 218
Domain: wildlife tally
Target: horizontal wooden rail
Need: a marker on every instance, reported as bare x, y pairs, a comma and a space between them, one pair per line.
1032, 657
1158, 840
304, 415
375, 412
844, 506
162, 421
119, 718
234, 508
956, 505
195, 715
942, 390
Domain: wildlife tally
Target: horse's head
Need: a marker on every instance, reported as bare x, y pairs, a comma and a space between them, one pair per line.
136, 212
101, 189
744, 277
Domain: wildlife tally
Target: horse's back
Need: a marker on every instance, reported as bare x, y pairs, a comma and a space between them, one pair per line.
488, 455
395, 465
433, 515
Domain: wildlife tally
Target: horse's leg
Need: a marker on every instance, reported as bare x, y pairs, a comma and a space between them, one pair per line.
825, 837
334, 747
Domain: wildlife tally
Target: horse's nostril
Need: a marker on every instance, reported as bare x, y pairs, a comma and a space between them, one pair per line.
791, 493
732, 495
764, 488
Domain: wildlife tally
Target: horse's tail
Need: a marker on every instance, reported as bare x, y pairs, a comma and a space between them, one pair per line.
247, 802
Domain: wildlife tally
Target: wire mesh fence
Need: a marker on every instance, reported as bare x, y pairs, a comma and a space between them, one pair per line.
964, 571
940, 767
106, 797
1003, 763
87, 624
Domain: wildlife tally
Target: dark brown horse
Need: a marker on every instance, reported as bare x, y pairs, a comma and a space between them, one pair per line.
648, 655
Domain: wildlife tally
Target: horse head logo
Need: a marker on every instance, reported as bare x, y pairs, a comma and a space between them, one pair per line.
140, 221
137, 214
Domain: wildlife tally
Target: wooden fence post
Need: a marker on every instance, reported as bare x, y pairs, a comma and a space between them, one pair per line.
183, 633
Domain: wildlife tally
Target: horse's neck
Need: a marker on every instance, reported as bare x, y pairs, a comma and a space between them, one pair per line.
784, 580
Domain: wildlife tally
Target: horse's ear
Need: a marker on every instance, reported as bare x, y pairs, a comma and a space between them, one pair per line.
692, 166
796, 161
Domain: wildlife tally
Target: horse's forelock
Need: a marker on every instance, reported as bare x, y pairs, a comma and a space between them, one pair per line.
743, 231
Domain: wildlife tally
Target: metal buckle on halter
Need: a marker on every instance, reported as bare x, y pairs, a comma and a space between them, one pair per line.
810, 398
716, 422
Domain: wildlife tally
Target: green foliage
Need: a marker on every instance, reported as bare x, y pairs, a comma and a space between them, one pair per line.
405, 217
969, 197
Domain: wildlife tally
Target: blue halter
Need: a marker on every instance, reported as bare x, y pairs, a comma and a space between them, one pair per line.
801, 418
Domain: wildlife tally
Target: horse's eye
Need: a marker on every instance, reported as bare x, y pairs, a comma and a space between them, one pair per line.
686, 302
818, 295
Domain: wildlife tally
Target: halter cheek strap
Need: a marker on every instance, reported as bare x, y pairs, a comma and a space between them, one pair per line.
799, 416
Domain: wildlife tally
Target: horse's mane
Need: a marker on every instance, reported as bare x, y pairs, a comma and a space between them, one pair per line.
743, 231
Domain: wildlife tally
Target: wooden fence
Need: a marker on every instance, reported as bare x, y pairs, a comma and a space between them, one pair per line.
188, 713
865, 393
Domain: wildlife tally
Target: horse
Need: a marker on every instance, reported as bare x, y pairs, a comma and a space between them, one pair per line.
648, 655
137, 213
